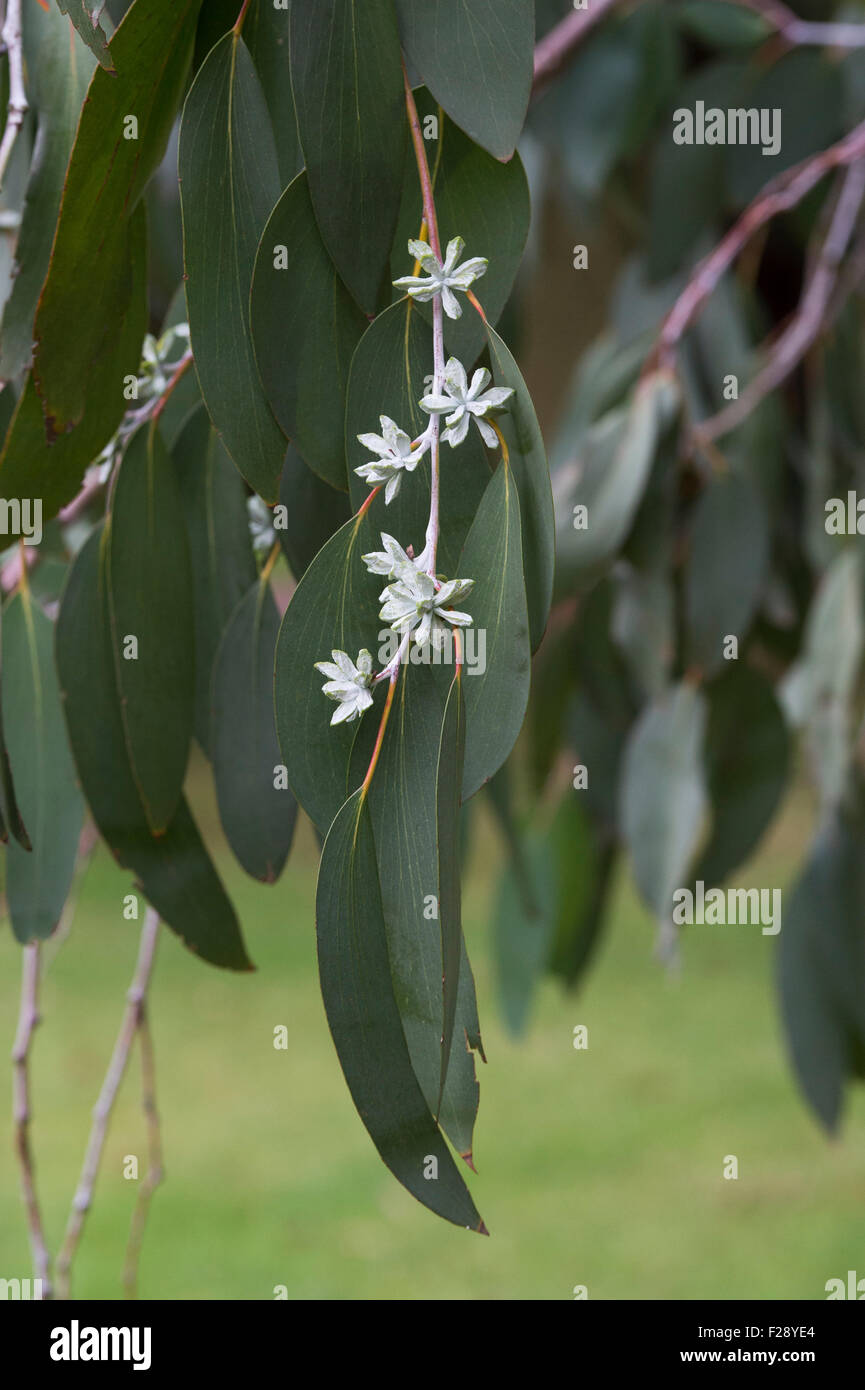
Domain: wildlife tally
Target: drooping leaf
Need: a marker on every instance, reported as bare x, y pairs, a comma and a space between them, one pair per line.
390, 371
86, 15
584, 859
111, 163
365, 1022
229, 182
497, 692
258, 816
220, 551
306, 327
151, 604
478, 198
59, 69
10, 815
663, 794
644, 627
335, 605
728, 566
528, 459
310, 512
821, 966
831, 658
37, 882
597, 495
449, 781
266, 35
173, 870
477, 61
347, 80
747, 765
523, 922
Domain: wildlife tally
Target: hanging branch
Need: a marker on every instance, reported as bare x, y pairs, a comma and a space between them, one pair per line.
102, 1110
154, 1174
783, 193
10, 37
28, 1020
806, 324
798, 32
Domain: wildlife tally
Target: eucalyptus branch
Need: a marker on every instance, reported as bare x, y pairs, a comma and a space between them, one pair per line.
805, 32
555, 49
129, 1028
154, 1174
10, 37
28, 1020
783, 193
805, 326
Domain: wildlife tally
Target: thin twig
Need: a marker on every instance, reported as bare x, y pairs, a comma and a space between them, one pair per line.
10, 37
804, 32
102, 1110
784, 192
28, 1020
805, 326
555, 49
155, 1172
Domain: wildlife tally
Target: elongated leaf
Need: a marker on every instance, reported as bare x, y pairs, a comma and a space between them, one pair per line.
306, 327
37, 883
258, 818
59, 70
173, 870
478, 198
266, 35
523, 924
832, 656
152, 623
335, 605
821, 966
10, 815
29, 465
110, 165
663, 794
528, 459
728, 567
347, 80
390, 371
312, 513
229, 182
584, 858
748, 762
220, 550
86, 15
609, 477
449, 781
476, 59
365, 1022
496, 696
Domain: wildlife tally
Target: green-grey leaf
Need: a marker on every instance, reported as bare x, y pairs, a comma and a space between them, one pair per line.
173, 870
346, 75
29, 464
266, 33
747, 765
10, 815
309, 513
257, 816
305, 326
365, 1022
78, 310
151, 601
528, 459
59, 70
728, 566
37, 883
220, 550
449, 781
496, 697
229, 183
663, 794
87, 18
476, 59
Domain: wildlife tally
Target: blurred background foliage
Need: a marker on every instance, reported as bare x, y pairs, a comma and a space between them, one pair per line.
601, 1167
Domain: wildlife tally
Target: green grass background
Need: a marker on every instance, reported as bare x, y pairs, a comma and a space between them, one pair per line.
601, 1168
